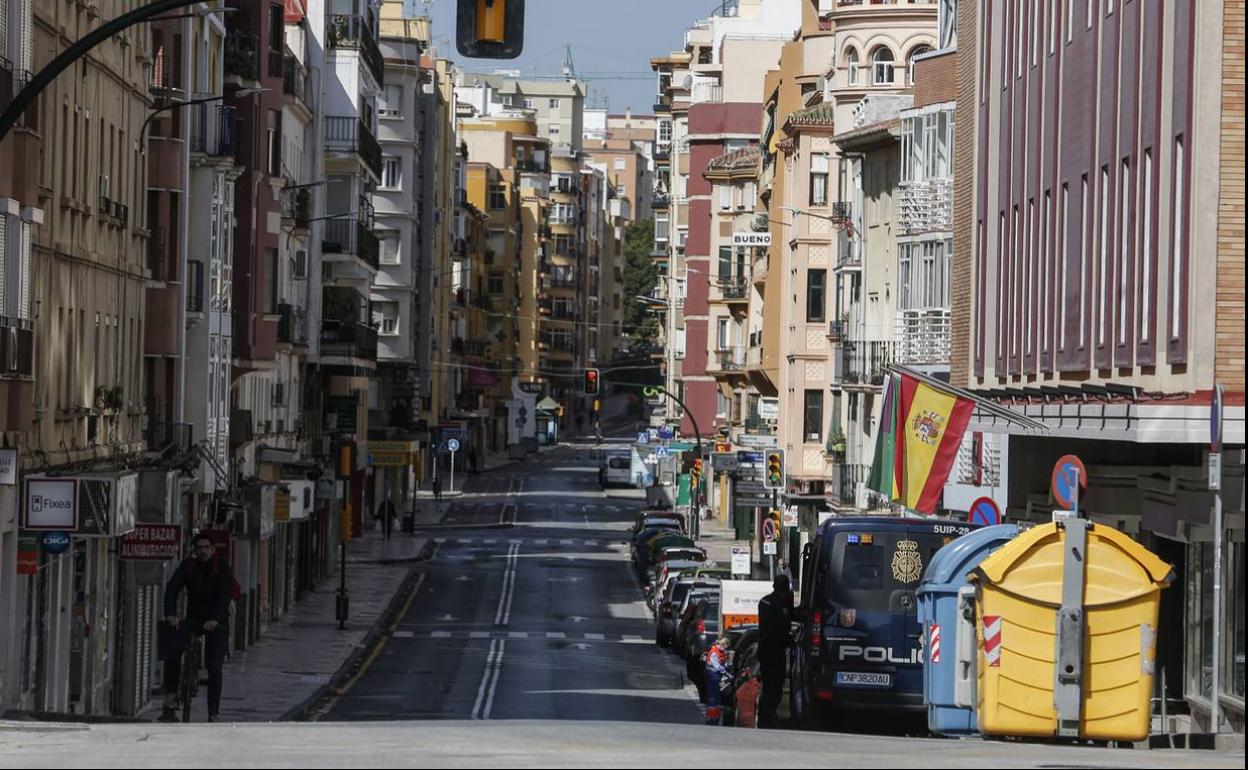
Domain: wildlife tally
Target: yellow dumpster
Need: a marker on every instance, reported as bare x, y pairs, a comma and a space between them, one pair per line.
1100, 689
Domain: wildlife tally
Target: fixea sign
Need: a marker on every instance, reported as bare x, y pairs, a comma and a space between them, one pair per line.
751, 239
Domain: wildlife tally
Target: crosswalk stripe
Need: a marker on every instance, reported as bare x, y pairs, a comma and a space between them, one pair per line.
595, 637
479, 635
518, 635
556, 635
441, 634
404, 634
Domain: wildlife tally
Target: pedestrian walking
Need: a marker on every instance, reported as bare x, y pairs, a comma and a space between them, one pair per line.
437, 488
775, 637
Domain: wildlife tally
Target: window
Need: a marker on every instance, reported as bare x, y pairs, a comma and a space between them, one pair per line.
1045, 271
665, 132
725, 263
274, 277
554, 104
1146, 253
1102, 259
917, 52
1052, 26
274, 135
389, 248
498, 197
721, 334
1070, 20
621, 190
819, 179
529, 104
620, 164
816, 295
277, 29
563, 244
1124, 249
495, 284
812, 416
1065, 268
947, 24
1083, 260
725, 197
391, 104
386, 317
882, 67
1178, 245
391, 174
851, 64
660, 228
722, 404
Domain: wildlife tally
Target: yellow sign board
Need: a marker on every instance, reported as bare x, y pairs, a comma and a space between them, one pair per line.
281, 506
390, 454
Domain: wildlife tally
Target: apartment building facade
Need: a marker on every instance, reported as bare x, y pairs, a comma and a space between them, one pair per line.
1096, 274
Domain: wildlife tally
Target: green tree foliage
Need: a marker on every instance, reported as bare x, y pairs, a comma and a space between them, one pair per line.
640, 278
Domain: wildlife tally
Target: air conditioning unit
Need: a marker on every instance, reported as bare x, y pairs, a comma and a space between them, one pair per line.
300, 272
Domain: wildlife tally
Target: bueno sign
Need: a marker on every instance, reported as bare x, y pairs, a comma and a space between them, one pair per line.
152, 542
751, 239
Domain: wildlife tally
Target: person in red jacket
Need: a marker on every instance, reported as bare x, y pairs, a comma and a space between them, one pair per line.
210, 586
716, 670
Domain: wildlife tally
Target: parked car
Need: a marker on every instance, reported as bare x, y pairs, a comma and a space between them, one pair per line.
678, 557
666, 607
656, 515
701, 631
638, 549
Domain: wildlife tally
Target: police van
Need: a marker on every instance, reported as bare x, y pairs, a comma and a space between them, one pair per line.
859, 642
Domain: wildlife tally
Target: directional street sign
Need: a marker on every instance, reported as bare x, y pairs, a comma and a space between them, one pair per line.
984, 512
453, 445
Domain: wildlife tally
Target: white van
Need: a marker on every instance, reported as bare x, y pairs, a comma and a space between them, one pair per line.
617, 469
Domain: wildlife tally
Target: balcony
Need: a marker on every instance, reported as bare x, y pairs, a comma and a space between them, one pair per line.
213, 130
846, 478
866, 363
836, 330
163, 434
166, 78
757, 425
351, 31
350, 236
730, 359
297, 206
662, 153
348, 338
561, 283
12, 81
734, 290
292, 324
297, 84
349, 134
849, 251
923, 337
17, 351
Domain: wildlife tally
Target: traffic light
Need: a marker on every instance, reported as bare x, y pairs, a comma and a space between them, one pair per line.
774, 515
591, 382
773, 477
696, 473
490, 29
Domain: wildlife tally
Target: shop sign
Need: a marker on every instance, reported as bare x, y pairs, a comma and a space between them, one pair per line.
50, 504
8, 467
281, 506
54, 542
748, 238
152, 542
28, 553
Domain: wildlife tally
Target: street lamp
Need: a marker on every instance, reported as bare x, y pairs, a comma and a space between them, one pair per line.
242, 92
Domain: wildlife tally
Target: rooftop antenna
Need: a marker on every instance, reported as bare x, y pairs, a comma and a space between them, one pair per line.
569, 68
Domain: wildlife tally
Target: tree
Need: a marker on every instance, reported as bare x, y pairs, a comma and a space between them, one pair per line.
640, 278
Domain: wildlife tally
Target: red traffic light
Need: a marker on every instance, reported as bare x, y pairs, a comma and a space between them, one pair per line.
591, 382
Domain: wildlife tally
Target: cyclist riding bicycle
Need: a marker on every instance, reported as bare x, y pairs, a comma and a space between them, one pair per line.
210, 586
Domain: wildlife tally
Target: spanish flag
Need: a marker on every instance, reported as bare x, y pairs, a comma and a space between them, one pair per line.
920, 429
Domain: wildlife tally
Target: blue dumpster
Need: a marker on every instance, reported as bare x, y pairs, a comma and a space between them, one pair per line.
947, 617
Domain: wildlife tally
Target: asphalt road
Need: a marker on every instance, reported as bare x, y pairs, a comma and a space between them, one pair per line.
540, 620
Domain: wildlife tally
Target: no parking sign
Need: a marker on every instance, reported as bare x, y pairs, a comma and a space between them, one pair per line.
984, 512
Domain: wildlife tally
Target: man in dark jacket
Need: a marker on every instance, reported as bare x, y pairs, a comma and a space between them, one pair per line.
775, 636
209, 585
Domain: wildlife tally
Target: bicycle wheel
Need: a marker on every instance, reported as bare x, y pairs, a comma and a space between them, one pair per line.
190, 676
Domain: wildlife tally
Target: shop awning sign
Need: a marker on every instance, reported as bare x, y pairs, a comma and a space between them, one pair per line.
51, 504
152, 542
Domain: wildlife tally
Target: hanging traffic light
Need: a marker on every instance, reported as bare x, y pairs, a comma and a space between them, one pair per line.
490, 29
591, 382
773, 474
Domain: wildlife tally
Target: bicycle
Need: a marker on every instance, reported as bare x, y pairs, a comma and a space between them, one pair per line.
192, 662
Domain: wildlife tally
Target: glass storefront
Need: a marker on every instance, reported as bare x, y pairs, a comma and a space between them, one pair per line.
1199, 668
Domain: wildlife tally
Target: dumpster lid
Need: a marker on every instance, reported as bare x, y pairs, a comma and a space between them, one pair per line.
1108, 551
950, 565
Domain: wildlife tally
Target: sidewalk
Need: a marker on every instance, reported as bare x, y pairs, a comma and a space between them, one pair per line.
717, 539
300, 657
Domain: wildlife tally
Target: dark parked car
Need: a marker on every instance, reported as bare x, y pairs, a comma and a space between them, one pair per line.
669, 604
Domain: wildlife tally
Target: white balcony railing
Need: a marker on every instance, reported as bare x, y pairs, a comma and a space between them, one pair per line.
923, 337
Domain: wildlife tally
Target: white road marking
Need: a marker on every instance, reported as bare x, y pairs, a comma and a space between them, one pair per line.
489, 680
556, 635
403, 634
441, 635
503, 615
518, 634
632, 639
479, 635
595, 637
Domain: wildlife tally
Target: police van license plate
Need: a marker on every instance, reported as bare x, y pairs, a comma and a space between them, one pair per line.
864, 679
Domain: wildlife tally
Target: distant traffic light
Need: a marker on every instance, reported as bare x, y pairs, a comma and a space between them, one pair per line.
591, 382
696, 473
774, 515
773, 474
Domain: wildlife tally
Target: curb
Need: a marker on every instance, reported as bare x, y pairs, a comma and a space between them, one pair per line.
303, 711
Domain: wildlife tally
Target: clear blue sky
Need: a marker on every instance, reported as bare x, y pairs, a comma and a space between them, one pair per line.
606, 36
